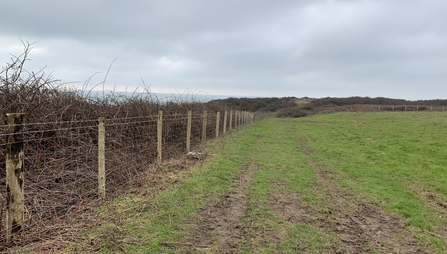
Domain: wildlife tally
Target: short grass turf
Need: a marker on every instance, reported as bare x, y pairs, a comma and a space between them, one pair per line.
394, 159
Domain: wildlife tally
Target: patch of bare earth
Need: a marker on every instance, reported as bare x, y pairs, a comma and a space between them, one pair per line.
361, 226
220, 225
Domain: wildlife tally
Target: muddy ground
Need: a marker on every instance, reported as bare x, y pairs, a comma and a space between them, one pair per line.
361, 226
224, 225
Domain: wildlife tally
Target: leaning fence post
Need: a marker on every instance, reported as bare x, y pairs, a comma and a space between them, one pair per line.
205, 119
217, 124
101, 159
159, 136
14, 175
225, 122
188, 132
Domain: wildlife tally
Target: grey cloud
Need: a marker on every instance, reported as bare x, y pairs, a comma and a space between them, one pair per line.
280, 48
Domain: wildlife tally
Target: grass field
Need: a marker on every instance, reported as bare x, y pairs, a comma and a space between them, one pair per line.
334, 183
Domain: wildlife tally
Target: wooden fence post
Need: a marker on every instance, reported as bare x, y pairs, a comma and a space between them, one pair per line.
204, 121
159, 137
101, 159
231, 119
225, 122
188, 132
236, 116
217, 124
15, 194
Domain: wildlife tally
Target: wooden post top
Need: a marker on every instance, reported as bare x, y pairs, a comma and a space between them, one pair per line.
15, 114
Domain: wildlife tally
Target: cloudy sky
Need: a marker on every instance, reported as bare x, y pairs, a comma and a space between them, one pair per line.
265, 48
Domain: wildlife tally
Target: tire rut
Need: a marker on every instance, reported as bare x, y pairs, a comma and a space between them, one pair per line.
358, 223
220, 224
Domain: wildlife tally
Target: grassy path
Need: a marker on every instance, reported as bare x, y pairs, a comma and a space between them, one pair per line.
337, 183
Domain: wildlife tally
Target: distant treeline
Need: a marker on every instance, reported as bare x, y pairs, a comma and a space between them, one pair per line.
276, 104
257, 104
374, 101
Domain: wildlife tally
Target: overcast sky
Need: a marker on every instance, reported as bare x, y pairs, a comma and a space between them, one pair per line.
265, 48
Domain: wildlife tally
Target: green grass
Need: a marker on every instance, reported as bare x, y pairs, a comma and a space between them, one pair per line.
282, 168
160, 220
391, 159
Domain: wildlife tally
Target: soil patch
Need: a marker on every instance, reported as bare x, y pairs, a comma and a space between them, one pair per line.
221, 223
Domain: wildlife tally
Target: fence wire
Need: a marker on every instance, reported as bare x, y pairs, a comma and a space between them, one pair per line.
61, 161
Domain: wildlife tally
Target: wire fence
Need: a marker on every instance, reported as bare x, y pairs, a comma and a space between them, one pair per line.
53, 167
379, 108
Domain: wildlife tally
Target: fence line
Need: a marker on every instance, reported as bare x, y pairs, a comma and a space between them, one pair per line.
68, 162
375, 108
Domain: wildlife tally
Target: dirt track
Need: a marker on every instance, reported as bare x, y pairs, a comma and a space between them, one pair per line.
223, 226
222, 222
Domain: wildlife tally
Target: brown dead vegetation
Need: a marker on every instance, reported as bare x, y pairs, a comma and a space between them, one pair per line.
60, 136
